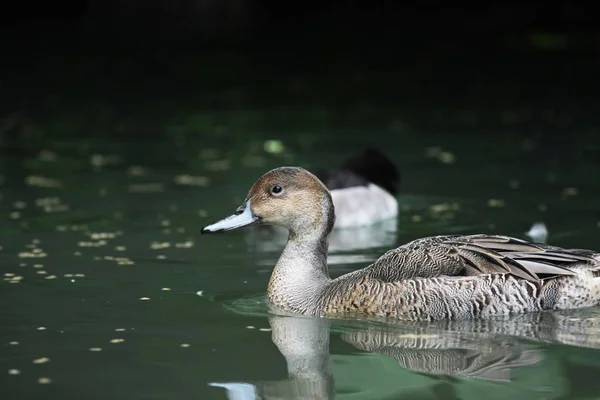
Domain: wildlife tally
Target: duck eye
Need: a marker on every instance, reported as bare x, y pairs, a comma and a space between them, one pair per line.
276, 190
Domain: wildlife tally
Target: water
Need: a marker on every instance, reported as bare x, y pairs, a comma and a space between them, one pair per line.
109, 291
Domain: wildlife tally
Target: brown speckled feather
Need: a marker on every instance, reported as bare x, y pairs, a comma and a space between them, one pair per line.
473, 255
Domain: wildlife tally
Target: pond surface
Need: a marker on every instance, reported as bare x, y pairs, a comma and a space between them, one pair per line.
110, 292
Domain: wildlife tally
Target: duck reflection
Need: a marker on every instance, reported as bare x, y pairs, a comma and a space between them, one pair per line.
488, 350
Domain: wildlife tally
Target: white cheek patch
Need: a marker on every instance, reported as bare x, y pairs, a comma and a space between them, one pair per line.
363, 205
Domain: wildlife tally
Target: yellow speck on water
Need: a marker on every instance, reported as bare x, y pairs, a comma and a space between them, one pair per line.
250, 327
20, 205
50, 277
165, 289
37, 253
136, 170
569, 192
9, 274
120, 330
161, 257
184, 245
190, 180
185, 345
144, 298
496, 203
96, 349
44, 381
14, 343
265, 329
77, 253
38, 265
80, 275
97, 243
103, 235
146, 188
41, 272
120, 248
41, 328
14, 371
159, 245
40, 181
42, 360
68, 275
114, 341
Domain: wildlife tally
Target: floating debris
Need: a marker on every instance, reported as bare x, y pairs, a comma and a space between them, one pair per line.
98, 243
166, 289
136, 170
274, 146
185, 345
119, 340
146, 188
190, 180
185, 245
144, 298
40, 181
159, 245
41, 328
250, 327
218, 165
440, 154
47, 156
496, 203
44, 381
100, 160
199, 292
14, 371
13, 343
120, 330
102, 235
569, 192
265, 329
42, 360
95, 349
50, 277
20, 205
36, 253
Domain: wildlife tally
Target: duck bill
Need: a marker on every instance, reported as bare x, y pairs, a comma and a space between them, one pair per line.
243, 217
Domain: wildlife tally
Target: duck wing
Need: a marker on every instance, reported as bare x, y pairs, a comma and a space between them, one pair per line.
473, 255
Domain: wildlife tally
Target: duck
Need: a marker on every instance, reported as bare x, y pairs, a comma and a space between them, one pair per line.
431, 278
364, 189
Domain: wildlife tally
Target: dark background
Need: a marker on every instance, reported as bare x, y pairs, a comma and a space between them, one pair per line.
470, 67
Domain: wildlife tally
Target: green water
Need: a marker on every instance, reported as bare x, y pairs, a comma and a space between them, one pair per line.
109, 291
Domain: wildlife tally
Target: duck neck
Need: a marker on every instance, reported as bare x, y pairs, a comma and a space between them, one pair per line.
300, 275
